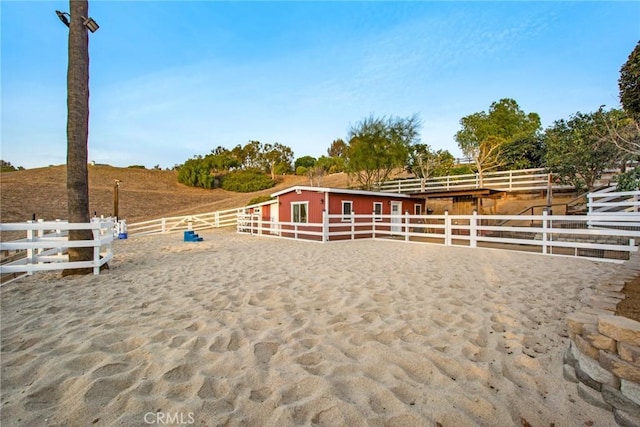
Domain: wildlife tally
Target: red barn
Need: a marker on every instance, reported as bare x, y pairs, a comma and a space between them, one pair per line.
302, 209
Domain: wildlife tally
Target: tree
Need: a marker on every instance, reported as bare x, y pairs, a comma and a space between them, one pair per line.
626, 130
8, 167
277, 158
338, 153
338, 148
305, 162
485, 135
628, 136
425, 162
378, 145
523, 153
580, 149
629, 84
77, 133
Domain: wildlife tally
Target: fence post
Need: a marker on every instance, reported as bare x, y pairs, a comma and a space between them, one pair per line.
545, 227
40, 234
406, 226
59, 234
96, 228
473, 229
447, 229
373, 225
217, 219
325, 226
164, 225
353, 226
30, 257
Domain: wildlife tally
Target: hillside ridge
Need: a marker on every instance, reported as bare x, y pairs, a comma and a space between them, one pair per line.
144, 194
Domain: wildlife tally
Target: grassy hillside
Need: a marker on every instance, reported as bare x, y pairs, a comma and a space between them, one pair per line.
143, 194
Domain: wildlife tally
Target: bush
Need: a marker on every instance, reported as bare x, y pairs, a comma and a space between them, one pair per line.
629, 181
461, 170
136, 167
246, 181
259, 199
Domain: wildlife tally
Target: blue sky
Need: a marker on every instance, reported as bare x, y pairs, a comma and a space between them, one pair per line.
170, 80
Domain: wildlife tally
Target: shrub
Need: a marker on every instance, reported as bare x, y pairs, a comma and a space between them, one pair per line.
259, 199
461, 170
629, 181
246, 181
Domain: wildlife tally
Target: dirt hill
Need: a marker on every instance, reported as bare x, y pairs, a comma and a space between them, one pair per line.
143, 194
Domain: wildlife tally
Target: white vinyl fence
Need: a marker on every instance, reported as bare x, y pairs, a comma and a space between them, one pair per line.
547, 234
516, 180
218, 219
176, 224
610, 201
45, 246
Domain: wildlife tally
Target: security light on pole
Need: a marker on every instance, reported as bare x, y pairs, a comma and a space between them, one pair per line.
89, 23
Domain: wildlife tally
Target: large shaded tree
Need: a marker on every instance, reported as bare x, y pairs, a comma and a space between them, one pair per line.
424, 162
78, 132
377, 145
580, 149
485, 135
627, 136
629, 84
276, 158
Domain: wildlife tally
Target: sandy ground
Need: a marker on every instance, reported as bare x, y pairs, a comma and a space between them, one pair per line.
241, 330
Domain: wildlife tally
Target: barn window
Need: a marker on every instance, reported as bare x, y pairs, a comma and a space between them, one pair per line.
377, 211
299, 212
347, 210
417, 209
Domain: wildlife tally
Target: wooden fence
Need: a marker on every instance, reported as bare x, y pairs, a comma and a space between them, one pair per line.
46, 243
547, 234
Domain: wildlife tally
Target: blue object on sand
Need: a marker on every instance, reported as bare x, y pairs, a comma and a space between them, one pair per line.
191, 236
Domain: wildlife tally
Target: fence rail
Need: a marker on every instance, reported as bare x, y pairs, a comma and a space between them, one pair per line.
227, 218
517, 180
217, 219
46, 243
547, 234
608, 201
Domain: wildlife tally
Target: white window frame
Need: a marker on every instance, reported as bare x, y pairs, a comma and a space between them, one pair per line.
377, 215
417, 209
346, 217
301, 219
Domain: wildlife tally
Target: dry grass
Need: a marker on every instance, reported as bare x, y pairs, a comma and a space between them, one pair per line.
143, 194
